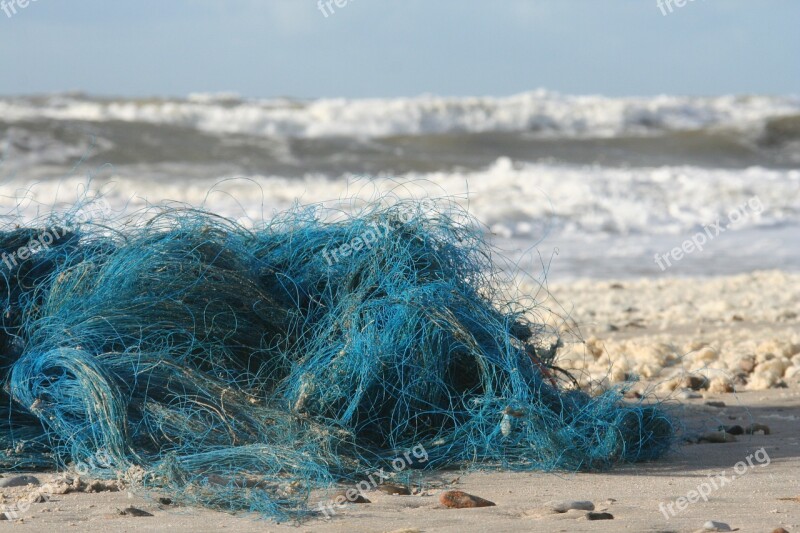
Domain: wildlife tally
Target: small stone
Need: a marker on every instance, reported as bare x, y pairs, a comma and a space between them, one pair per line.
394, 489
165, 501
351, 495
737, 318
713, 525
688, 395
455, 499
599, 516
99, 485
748, 364
695, 382
133, 511
779, 530
612, 327
616, 286
720, 385
717, 437
39, 498
565, 505
18, 481
740, 379
755, 428
714, 403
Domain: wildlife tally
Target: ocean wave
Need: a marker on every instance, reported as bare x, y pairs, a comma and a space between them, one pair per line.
513, 199
540, 113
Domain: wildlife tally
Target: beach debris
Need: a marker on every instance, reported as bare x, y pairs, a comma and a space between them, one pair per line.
713, 525
714, 403
18, 481
563, 506
456, 499
754, 428
134, 512
163, 500
716, 437
599, 516
688, 395
394, 489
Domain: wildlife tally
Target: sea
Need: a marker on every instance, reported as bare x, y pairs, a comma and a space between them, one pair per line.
562, 186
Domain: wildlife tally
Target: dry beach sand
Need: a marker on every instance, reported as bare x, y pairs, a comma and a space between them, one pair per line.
734, 340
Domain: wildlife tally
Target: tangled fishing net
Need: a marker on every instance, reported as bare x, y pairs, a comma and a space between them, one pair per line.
242, 368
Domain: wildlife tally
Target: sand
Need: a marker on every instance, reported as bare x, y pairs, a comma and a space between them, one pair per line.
739, 332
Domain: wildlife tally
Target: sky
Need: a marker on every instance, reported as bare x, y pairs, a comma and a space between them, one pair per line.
395, 48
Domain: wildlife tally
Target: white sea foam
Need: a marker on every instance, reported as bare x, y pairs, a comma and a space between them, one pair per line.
513, 199
602, 222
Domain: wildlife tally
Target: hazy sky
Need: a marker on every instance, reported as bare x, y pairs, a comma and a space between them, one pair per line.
400, 47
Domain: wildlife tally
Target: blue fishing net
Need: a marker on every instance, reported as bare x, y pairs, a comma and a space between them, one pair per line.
241, 368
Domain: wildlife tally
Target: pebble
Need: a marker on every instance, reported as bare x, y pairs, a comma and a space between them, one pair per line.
717, 437
755, 428
565, 505
779, 530
713, 525
715, 404
18, 481
456, 499
163, 500
133, 511
748, 364
695, 382
688, 395
394, 489
599, 516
